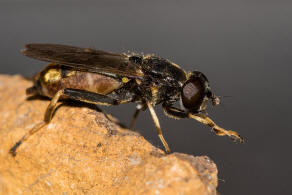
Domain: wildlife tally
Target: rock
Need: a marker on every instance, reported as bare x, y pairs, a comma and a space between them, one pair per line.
82, 152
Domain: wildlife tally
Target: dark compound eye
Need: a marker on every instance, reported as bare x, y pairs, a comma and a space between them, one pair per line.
193, 93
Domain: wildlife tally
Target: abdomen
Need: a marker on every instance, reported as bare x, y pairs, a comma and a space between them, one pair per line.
54, 78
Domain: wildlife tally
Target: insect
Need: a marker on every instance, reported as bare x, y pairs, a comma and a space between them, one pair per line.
105, 78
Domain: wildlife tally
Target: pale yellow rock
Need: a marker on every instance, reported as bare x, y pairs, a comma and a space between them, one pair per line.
82, 152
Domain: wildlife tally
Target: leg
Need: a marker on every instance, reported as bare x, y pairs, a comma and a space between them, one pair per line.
90, 97
75, 94
157, 125
139, 107
134, 119
202, 118
173, 112
114, 98
48, 117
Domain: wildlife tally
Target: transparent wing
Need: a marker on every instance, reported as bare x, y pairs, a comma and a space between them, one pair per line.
83, 59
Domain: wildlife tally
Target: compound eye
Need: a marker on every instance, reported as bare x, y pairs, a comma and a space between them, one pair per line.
193, 94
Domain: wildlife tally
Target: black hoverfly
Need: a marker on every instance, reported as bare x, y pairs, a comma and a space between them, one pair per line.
105, 78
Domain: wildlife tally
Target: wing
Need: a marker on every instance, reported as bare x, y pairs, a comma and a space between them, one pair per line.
88, 60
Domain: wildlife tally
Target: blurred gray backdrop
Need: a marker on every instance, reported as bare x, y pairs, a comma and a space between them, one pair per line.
244, 48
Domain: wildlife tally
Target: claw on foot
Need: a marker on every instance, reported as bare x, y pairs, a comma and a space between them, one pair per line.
218, 130
232, 134
12, 150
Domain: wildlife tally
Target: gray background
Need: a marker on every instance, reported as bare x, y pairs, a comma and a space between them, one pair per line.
244, 48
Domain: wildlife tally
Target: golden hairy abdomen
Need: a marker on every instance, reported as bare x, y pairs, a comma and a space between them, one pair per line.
54, 78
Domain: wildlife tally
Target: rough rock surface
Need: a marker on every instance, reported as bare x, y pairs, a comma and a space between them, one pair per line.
82, 152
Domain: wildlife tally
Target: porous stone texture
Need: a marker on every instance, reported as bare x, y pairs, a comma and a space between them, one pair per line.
82, 152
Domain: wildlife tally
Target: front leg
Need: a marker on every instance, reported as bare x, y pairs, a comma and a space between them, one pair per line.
174, 112
202, 118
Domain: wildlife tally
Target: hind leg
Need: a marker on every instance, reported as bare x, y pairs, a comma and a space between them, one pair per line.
75, 94
48, 117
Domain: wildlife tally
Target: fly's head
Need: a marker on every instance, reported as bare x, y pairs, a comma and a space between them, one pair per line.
196, 92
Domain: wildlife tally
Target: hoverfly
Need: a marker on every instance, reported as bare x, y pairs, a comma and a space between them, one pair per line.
105, 78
